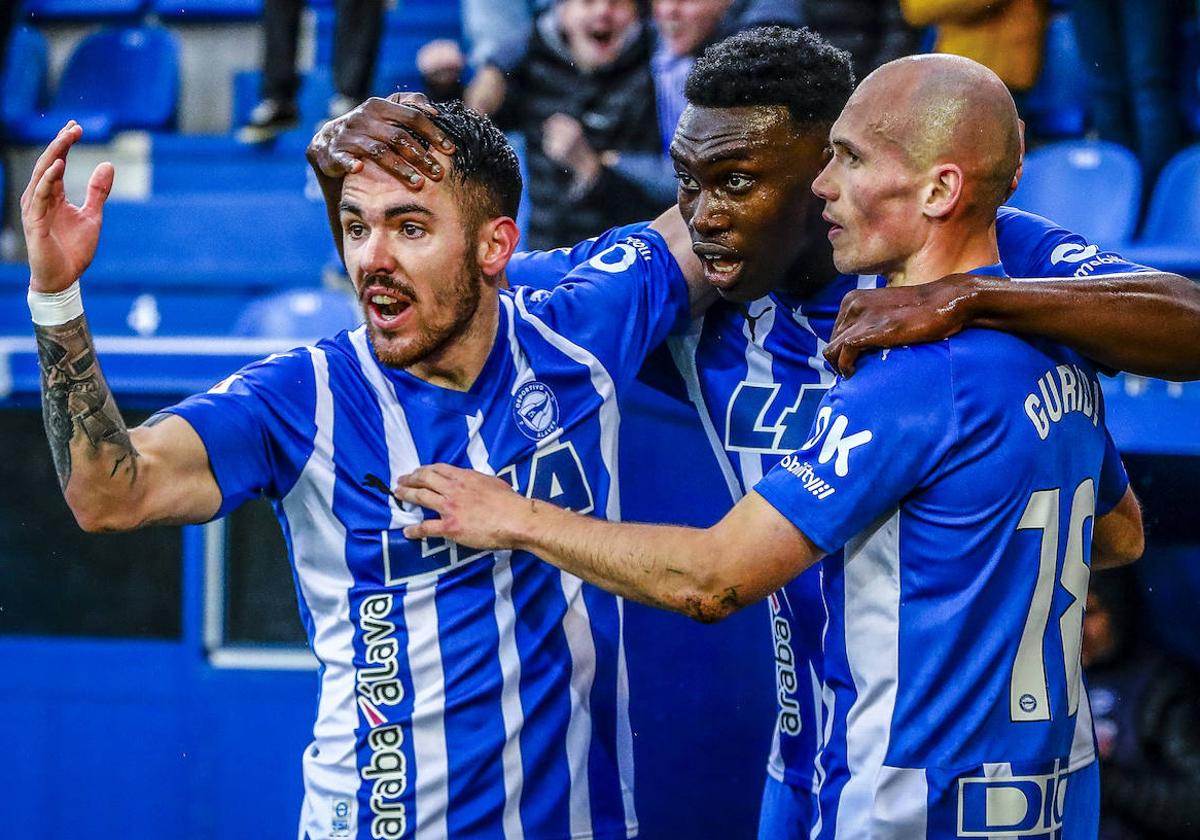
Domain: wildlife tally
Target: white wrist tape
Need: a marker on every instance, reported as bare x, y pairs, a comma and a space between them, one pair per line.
52, 309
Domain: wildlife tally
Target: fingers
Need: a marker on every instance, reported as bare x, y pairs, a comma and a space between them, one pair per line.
55, 151
98, 188
46, 189
435, 477
425, 529
422, 497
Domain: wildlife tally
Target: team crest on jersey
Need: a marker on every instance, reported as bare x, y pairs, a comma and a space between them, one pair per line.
535, 410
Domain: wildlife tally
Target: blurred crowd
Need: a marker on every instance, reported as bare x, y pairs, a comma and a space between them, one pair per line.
595, 87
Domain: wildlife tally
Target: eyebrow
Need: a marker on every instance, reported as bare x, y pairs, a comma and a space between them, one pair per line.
391, 213
736, 153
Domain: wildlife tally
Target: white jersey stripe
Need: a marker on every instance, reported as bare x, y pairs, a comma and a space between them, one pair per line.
420, 619
520, 363
318, 541
577, 628
624, 728
872, 592
429, 708
683, 351
510, 659
402, 450
902, 803
758, 371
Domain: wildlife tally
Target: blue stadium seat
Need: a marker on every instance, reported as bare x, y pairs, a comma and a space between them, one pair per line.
1057, 105
1170, 239
182, 11
24, 88
209, 163
116, 79
39, 10
316, 89
255, 243
1093, 188
299, 314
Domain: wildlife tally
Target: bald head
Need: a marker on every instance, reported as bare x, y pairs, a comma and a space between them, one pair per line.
948, 109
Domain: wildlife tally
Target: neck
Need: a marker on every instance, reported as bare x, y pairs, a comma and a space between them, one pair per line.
952, 249
459, 362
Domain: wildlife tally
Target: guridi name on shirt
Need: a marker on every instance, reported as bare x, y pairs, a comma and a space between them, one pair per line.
1060, 391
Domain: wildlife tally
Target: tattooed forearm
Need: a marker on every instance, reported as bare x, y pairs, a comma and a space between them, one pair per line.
76, 402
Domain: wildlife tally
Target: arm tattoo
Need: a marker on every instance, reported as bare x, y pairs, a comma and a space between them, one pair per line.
76, 402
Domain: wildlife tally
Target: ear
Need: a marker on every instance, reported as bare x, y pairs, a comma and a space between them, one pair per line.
495, 245
1021, 161
944, 191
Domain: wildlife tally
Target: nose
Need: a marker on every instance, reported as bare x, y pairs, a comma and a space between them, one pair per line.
709, 216
824, 185
376, 256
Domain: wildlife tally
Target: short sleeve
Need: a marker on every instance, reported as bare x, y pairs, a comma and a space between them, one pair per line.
1113, 479
875, 439
617, 305
257, 427
1032, 246
546, 269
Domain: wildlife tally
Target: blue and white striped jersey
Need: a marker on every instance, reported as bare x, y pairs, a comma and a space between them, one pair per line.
756, 374
962, 479
463, 694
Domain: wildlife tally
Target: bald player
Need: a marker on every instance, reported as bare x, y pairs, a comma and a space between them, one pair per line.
959, 493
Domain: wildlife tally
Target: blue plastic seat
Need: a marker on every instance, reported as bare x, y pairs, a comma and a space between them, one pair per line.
1092, 188
83, 9
316, 89
24, 87
1057, 105
1170, 239
405, 30
256, 243
299, 314
182, 11
116, 79
210, 163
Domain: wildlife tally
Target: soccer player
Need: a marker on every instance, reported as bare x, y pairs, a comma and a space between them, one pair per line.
462, 693
955, 490
751, 142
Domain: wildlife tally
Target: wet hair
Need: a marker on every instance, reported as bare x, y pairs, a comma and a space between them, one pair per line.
485, 166
774, 65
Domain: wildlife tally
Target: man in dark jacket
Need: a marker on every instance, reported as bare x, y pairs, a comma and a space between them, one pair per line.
1146, 712
872, 31
579, 87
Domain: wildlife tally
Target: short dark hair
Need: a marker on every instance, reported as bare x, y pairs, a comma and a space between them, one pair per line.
774, 65
483, 159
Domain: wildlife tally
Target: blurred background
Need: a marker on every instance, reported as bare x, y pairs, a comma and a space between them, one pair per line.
157, 684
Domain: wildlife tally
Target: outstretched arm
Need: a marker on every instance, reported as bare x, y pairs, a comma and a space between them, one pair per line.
113, 478
1144, 323
703, 573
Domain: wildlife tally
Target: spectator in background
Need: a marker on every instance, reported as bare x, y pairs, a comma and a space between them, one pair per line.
357, 28
1126, 45
580, 86
685, 28
872, 31
1146, 711
1007, 36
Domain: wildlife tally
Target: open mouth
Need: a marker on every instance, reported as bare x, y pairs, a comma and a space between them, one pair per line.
387, 309
722, 265
602, 37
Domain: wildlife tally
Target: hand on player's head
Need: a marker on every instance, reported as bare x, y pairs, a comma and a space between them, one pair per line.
60, 237
387, 132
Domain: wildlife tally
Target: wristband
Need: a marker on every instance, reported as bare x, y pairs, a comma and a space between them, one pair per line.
53, 309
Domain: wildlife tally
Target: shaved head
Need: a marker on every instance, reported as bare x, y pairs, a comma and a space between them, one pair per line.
948, 109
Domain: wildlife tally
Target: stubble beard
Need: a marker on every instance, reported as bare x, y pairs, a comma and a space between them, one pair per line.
464, 295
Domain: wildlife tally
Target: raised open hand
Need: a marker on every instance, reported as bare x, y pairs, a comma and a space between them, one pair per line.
61, 238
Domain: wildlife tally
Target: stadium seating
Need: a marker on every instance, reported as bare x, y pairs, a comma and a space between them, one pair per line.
1056, 106
182, 11
24, 75
299, 314
39, 10
1092, 187
116, 79
251, 243
1170, 239
207, 163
